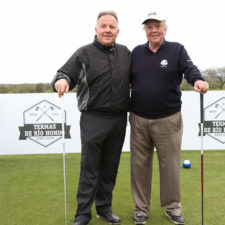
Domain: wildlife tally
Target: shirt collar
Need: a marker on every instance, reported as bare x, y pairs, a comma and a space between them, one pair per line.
146, 45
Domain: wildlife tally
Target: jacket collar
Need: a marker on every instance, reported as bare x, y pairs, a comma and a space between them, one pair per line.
146, 45
103, 47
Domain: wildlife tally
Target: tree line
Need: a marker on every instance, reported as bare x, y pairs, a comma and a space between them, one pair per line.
215, 78
26, 88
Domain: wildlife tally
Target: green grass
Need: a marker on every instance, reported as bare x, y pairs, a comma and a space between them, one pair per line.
31, 190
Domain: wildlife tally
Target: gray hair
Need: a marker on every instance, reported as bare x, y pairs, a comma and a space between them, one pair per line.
108, 12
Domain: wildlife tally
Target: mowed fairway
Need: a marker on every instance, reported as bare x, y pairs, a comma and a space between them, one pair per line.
31, 190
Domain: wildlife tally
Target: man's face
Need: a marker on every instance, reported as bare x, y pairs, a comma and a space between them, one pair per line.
155, 32
107, 30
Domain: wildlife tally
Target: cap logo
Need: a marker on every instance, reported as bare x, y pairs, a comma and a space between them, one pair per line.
152, 13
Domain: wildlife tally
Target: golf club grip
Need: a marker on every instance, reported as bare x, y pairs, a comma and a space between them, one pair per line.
201, 107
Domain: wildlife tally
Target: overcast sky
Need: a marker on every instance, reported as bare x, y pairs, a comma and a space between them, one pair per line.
38, 36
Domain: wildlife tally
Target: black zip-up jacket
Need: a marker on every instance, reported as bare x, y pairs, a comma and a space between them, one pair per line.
102, 76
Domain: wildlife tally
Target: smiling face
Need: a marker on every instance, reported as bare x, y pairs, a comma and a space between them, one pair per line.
107, 30
155, 32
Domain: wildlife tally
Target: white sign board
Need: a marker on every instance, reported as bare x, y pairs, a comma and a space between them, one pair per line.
31, 123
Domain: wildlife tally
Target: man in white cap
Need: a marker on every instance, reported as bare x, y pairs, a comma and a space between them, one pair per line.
156, 122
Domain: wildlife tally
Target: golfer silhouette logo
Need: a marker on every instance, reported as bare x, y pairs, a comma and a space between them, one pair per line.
42, 124
214, 124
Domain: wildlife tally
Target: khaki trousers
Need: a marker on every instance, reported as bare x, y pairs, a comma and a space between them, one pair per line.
165, 135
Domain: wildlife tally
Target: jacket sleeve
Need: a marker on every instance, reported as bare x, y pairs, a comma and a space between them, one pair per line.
69, 71
190, 71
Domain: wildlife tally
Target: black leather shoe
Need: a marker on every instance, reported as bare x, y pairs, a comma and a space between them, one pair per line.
109, 216
79, 222
175, 219
139, 219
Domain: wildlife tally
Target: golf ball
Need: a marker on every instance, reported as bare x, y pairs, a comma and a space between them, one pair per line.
186, 163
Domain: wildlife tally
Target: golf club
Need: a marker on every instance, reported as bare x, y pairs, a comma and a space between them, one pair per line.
44, 113
63, 146
202, 121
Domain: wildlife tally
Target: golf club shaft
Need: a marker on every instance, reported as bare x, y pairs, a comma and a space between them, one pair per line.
202, 121
63, 145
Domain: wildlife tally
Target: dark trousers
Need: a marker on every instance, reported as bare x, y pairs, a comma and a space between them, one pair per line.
102, 137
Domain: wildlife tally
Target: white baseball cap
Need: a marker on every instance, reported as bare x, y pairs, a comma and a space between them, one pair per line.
153, 16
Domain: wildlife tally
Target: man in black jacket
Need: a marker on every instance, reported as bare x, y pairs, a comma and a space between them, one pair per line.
156, 121
101, 72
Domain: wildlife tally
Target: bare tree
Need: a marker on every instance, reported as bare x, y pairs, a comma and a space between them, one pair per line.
216, 77
221, 76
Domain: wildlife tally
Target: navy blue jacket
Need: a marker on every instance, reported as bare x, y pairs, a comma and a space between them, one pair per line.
156, 79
